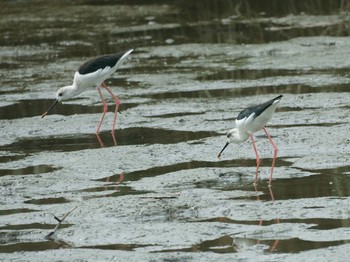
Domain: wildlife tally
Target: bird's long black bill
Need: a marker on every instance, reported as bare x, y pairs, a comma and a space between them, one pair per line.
222, 150
54, 103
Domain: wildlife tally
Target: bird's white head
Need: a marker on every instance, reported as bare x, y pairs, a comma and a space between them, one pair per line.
63, 93
66, 92
234, 136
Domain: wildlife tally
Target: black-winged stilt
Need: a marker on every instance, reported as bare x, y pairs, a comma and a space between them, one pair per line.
93, 73
249, 121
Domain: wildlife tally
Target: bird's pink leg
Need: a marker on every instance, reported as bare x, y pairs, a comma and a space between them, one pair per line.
117, 102
271, 193
275, 150
105, 109
257, 159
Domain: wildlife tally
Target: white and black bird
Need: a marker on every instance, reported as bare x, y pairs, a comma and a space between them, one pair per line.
92, 74
249, 121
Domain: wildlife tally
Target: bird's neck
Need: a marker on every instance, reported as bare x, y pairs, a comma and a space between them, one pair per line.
237, 136
72, 90
243, 136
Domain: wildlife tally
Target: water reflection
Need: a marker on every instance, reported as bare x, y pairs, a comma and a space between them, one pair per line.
313, 186
161, 170
29, 170
102, 144
291, 245
47, 201
229, 244
324, 185
232, 244
35, 107
223, 21
118, 182
121, 191
313, 223
237, 22
127, 136
33, 246
251, 91
124, 247
16, 211
270, 191
32, 226
207, 9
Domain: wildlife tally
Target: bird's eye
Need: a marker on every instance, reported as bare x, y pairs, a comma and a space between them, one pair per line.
60, 94
229, 135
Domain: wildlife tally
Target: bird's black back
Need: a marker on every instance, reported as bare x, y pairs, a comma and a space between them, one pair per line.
257, 109
100, 62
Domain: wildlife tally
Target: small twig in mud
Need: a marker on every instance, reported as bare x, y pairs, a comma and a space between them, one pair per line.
176, 195
50, 235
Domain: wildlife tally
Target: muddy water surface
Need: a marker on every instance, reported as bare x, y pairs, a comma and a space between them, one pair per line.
160, 193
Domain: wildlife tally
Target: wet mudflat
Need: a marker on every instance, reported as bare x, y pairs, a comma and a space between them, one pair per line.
160, 194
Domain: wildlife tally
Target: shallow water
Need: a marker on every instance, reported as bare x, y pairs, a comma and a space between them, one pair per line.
160, 193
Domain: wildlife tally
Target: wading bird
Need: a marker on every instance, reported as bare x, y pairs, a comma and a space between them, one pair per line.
92, 74
249, 121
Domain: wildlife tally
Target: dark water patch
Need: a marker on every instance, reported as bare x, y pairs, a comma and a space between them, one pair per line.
314, 207
287, 33
243, 179
127, 136
124, 247
161, 170
251, 74
214, 183
228, 244
220, 22
193, 10
11, 92
330, 171
33, 246
233, 221
177, 114
142, 136
233, 31
295, 245
117, 191
30, 108
10, 158
313, 186
220, 245
9, 66
33, 226
29, 170
47, 201
317, 223
308, 125
290, 109
321, 223
53, 143
250, 91
16, 211
104, 188
9, 236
